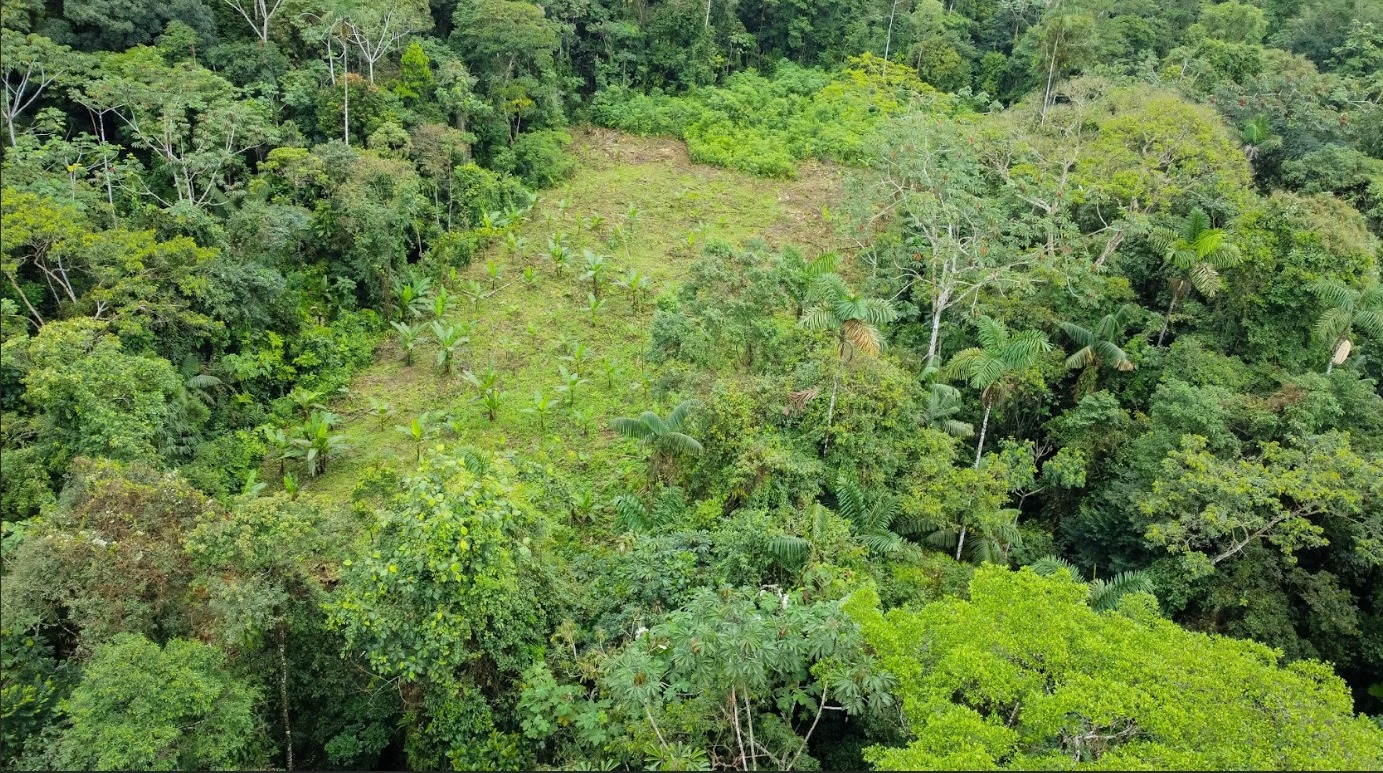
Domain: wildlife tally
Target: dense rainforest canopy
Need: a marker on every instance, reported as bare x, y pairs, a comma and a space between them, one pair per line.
691, 384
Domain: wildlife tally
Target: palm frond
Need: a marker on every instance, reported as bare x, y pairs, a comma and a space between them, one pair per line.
819, 318
876, 311
1197, 221
1081, 358
957, 428
1078, 334
789, 550
1371, 321
682, 443
1050, 565
1113, 355
993, 334
884, 543
1105, 594
654, 423
203, 381
679, 415
863, 336
1023, 348
1205, 278
849, 500
633, 428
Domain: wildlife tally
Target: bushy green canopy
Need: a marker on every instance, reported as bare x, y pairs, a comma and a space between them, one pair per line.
1025, 676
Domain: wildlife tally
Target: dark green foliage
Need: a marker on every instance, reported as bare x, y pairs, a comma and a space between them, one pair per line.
1128, 250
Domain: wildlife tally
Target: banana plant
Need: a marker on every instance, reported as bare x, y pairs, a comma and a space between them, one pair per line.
449, 339
594, 305
418, 430
637, 285
578, 354
476, 292
381, 410
596, 266
571, 382
409, 336
494, 270
542, 407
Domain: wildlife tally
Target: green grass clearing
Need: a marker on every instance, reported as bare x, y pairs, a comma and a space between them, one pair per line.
524, 330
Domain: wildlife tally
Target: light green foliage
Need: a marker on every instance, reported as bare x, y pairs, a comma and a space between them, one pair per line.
766, 127
97, 399
416, 81
1162, 152
1024, 675
1211, 509
140, 706
449, 576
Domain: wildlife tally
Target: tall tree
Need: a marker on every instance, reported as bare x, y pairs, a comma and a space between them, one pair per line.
992, 366
1024, 674
1196, 253
258, 14
854, 319
1347, 308
1097, 347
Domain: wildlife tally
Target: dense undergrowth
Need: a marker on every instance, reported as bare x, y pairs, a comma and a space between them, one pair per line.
881, 384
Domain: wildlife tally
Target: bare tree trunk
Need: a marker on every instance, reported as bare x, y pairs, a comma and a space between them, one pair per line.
1167, 320
1051, 74
984, 427
283, 700
938, 306
888, 40
346, 91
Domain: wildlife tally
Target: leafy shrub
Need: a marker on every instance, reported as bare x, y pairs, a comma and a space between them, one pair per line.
540, 158
764, 125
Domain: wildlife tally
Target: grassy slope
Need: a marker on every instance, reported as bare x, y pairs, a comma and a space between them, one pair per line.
523, 330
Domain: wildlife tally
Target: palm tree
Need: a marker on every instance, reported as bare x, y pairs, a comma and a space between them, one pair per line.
596, 266
408, 339
991, 366
1103, 595
875, 520
1097, 347
1347, 308
943, 403
664, 437
854, 319
1197, 253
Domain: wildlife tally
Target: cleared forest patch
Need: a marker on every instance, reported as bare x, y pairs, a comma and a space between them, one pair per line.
531, 327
